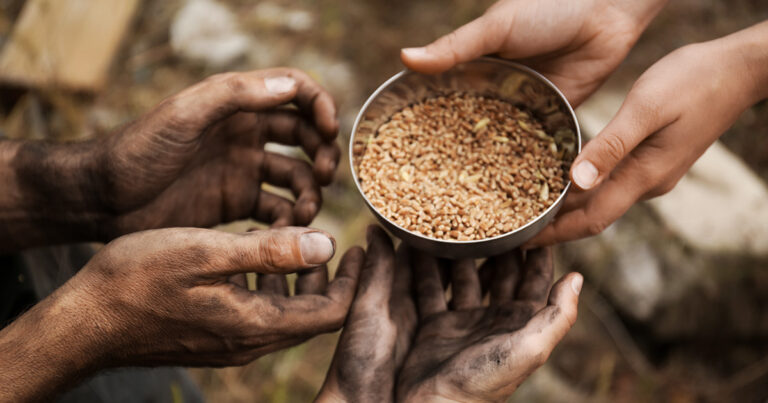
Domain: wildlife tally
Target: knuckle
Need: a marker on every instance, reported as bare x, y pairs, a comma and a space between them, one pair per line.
596, 227
661, 189
217, 78
235, 82
613, 148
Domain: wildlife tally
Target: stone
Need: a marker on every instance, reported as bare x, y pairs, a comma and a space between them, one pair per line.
270, 15
206, 31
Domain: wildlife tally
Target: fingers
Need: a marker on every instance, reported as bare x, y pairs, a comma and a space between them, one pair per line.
221, 95
376, 278
402, 309
287, 127
342, 288
283, 171
549, 325
640, 116
308, 314
273, 251
466, 43
312, 281
312, 98
429, 286
506, 276
465, 285
604, 206
537, 277
402, 289
275, 284
273, 209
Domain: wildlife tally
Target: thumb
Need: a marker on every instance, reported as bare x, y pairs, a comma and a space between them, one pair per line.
549, 326
283, 250
221, 95
637, 119
469, 42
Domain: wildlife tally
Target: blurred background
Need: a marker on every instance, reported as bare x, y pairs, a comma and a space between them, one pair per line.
675, 306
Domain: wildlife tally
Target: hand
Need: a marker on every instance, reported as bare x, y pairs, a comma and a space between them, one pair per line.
576, 44
378, 358
198, 158
378, 330
467, 352
162, 298
672, 114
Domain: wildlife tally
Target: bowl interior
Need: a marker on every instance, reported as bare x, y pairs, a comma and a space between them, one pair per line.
488, 77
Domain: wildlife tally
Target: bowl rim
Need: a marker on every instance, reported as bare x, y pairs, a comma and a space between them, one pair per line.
484, 59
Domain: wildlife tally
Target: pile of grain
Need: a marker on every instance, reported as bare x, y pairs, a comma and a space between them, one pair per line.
461, 167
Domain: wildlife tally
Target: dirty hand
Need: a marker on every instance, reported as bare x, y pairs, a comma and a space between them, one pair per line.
576, 44
198, 158
469, 352
378, 329
466, 352
672, 114
162, 297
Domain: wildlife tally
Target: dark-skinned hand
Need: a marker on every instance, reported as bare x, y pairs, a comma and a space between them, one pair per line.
198, 158
462, 350
163, 297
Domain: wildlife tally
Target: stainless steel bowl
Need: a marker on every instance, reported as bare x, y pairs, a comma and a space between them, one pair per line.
491, 77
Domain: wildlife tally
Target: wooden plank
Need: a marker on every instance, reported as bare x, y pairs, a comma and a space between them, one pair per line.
65, 43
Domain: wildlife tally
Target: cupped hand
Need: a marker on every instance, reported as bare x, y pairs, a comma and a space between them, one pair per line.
198, 158
464, 351
672, 114
162, 297
576, 44
378, 329
403, 341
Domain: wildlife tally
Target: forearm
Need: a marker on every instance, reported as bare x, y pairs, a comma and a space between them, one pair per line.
50, 194
46, 351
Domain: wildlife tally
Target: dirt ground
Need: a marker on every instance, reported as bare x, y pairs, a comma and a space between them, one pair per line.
351, 47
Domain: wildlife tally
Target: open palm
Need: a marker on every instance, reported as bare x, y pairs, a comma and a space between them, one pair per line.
470, 352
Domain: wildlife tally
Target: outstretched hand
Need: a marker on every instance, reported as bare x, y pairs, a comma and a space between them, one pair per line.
198, 158
576, 44
465, 351
673, 113
164, 297
403, 341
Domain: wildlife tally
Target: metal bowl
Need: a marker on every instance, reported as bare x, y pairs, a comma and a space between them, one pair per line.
490, 77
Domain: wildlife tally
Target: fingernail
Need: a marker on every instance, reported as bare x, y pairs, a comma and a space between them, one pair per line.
576, 283
279, 85
415, 52
316, 248
585, 175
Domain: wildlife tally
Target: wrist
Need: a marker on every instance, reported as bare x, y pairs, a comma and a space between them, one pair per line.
48, 350
750, 49
740, 59
52, 193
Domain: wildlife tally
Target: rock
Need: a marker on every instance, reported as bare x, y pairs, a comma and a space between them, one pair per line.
719, 206
206, 31
637, 281
271, 15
